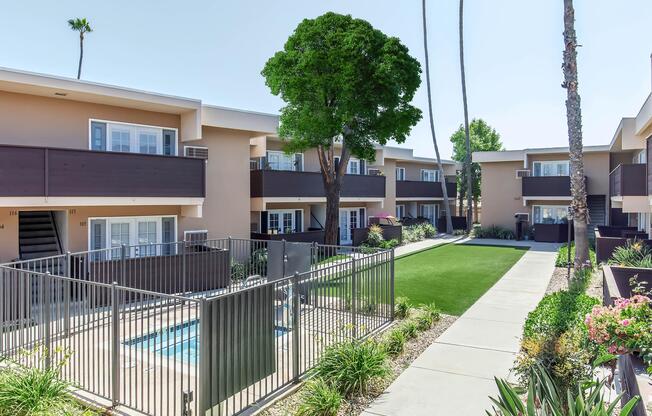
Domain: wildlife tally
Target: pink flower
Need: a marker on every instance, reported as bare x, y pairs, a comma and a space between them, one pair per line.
612, 349
625, 322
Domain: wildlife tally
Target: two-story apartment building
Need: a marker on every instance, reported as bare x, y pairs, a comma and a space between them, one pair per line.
535, 182
287, 193
89, 166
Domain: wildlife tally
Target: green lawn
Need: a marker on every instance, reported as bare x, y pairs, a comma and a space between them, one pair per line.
453, 276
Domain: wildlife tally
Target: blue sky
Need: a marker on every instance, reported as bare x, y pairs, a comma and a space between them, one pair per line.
214, 50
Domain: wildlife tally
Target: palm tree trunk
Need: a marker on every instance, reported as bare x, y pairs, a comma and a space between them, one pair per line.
81, 54
467, 162
442, 178
579, 208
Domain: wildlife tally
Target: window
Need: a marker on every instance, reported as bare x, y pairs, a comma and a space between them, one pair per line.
277, 160
146, 236
400, 211
640, 157
400, 174
429, 175
551, 168
550, 214
354, 167
135, 138
284, 221
429, 211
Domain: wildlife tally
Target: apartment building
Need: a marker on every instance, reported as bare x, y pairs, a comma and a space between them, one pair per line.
534, 184
89, 166
288, 199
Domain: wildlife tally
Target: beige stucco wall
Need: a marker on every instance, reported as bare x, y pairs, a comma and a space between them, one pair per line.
501, 193
596, 169
42, 121
227, 203
413, 170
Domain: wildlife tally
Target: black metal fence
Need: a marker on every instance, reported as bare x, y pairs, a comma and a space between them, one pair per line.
213, 326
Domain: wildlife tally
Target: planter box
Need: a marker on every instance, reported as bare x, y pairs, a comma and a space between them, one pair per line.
616, 281
552, 233
303, 237
608, 238
390, 232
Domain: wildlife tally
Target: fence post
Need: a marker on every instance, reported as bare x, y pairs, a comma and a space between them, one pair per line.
204, 365
66, 296
115, 345
184, 273
296, 328
47, 319
230, 260
123, 263
283, 258
354, 296
391, 284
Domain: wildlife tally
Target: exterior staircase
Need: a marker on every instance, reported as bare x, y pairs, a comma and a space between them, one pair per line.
37, 233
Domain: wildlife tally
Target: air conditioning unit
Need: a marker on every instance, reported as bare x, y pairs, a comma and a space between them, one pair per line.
522, 216
521, 173
198, 152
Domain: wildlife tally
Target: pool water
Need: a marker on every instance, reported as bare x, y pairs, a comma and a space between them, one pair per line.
179, 342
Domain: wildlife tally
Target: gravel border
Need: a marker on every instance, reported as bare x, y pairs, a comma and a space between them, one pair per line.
559, 281
355, 405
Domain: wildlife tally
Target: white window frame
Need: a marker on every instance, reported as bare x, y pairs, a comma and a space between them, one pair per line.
435, 173
435, 212
400, 177
285, 211
134, 144
283, 154
640, 157
402, 209
133, 231
349, 166
554, 207
361, 219
541, 164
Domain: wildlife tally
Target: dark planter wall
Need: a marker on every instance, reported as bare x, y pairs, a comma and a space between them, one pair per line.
608, 238
459, 223
552, 233
390, 232
302, 237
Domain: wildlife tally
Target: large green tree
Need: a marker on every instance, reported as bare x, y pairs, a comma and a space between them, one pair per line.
483, 138
344, 83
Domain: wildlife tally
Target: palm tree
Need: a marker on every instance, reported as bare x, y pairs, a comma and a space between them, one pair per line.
467, 161
579, 210
82, 26
442, 178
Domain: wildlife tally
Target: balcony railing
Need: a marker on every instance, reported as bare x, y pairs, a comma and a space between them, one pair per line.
546, 186
422, 189
54, 172
628, 180
291, 184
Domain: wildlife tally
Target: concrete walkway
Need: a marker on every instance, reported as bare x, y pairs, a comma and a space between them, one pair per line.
454, 376
425, 244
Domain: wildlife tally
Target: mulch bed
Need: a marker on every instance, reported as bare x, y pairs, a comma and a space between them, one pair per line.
354, 406
559, 281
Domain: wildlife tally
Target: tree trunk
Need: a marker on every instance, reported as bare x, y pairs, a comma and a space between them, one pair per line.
460, 199
442, 178
467, 162
332, 178
81, 54
475, 208
579, 210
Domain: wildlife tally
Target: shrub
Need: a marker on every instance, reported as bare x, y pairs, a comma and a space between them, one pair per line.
545, 398
34, 391
389, 244
562, 256
433, 311
409, 329
423, 321
375, 236
429, 230
634, 254
319, 399
565, 357
418, 232
557, 312
402, 307
394, 342
350, 366
493, 231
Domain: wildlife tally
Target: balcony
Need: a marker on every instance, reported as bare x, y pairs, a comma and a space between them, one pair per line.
53, 172
546, 186
291, 184
628, 180
422, 189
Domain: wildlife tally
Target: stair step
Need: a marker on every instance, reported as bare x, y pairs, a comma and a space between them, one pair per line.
36, 233
25, 214
39, 248
37, 227
29, 240
32, 256
35, 220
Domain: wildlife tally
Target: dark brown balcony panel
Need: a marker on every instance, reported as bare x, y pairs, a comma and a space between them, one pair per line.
628, 180
421, 189
40, 171
289, 184
546, 186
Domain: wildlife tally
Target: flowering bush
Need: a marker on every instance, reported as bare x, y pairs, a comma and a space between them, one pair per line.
624, 327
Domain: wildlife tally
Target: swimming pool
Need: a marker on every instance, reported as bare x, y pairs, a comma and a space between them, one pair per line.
179, 341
